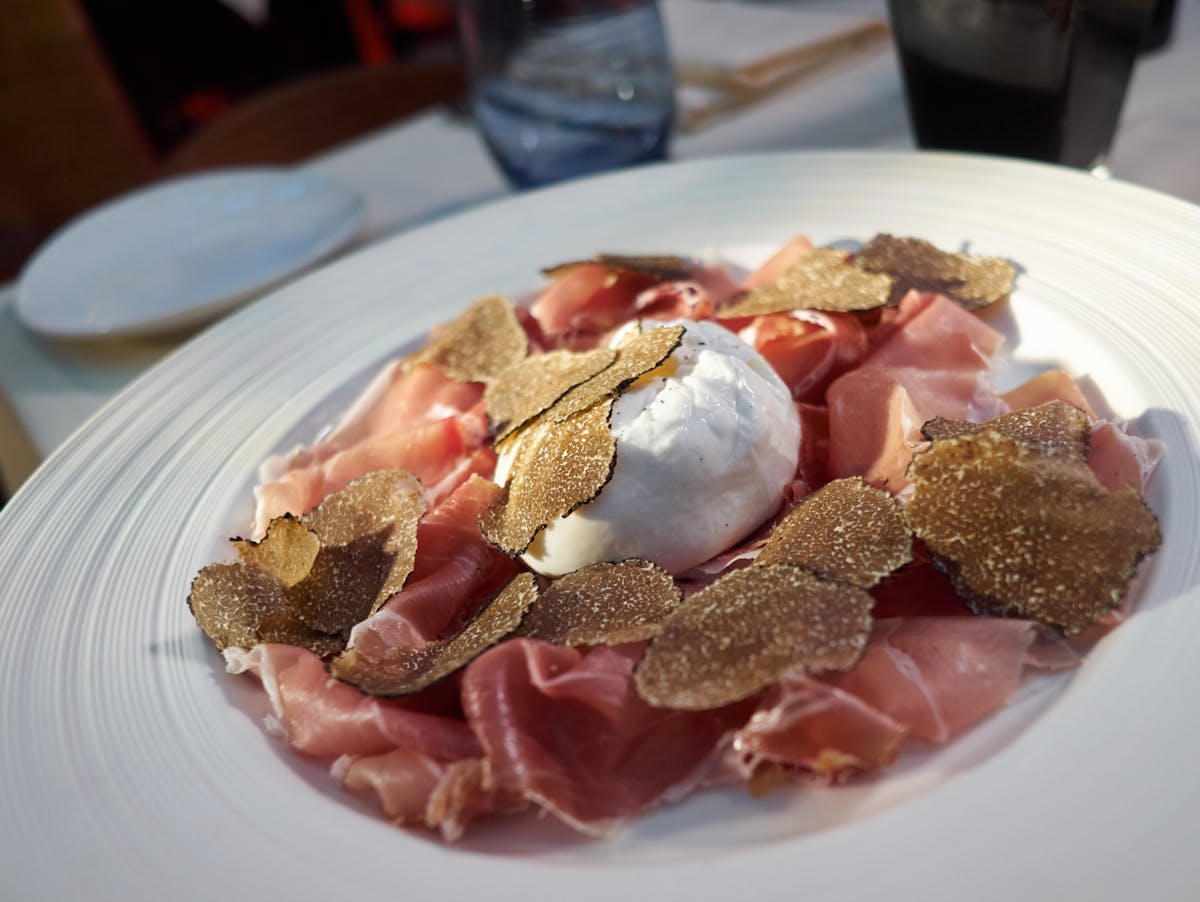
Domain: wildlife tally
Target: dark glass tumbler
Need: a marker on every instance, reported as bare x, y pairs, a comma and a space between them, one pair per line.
1043, 79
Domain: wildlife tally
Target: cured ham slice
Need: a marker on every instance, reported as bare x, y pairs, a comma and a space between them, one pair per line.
481, 463
935, 333
876, 414
402, 779
463, 794
813, 467
455, 571
716, 282
450, 527
429, 451
316, 715
1052, 385
1119, 459
399, 398
918, 590
588, 297
808, 348
674, 300
940, 675
396, 400
1116, 457
803, 722
417, 420
589, 300
773, 268
873, 427
937, 364
566, 730
414, 789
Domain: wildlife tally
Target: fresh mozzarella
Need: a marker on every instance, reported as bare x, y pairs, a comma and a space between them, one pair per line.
705, 445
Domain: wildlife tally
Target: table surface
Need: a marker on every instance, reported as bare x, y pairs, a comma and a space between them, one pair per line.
433, 165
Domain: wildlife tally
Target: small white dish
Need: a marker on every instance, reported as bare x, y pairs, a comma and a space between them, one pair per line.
183, 251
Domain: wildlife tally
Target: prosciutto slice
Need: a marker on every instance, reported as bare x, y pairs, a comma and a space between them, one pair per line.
808, 348
316, 715
1120, 459
1116, 457
589, 300
414, 789
565, 729
419, 421
939, 676
674, 300
918, 590
402, 779
803, 722
399, 398
937, 364
1052, 385
430, 452
456, 570
770, 271
935, 333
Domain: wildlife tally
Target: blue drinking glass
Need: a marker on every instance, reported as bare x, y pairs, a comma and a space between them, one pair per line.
563, 88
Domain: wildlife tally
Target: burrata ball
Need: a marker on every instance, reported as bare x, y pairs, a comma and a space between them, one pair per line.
706, 444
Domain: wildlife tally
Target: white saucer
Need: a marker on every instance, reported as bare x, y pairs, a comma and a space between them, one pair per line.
182, 251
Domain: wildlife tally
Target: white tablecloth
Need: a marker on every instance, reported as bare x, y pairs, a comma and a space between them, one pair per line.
433, 165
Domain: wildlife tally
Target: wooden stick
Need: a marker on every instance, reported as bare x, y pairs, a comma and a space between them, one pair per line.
781, 66
748, 84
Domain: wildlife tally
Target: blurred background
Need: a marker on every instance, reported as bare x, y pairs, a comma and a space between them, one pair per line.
99, 96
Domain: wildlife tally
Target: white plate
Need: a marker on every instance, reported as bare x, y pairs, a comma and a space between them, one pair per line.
132, 768
183, 251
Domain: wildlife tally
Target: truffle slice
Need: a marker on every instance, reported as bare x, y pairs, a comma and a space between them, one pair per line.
242, 605
557, 469
974, 282
1024, 531
638, 354
368, 535
484, 340
418, 669
566, 455
530, 387
823, 279
287, 629
604, 604
746, 630
287, 551
231, 601
658, 266
846, 530
307, 582
1055, 425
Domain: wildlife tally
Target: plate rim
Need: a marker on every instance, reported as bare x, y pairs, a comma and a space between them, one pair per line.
736, 867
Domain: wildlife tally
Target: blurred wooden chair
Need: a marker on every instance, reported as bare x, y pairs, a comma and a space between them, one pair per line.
295, 120
73, 141
70, 138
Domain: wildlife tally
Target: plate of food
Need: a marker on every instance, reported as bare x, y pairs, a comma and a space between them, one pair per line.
809, 523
